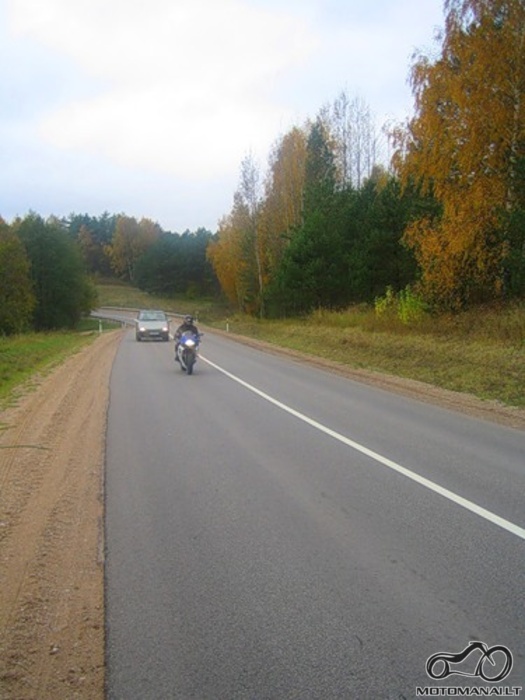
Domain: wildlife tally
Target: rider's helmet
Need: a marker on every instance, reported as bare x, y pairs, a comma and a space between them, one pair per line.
188, 319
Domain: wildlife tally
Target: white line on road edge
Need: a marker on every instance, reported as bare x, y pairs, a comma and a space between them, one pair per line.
459, 500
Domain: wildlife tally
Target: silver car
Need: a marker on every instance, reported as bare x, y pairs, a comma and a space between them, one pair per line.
152, 324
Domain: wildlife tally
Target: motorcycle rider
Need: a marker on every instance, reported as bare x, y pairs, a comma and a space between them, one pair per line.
187, 326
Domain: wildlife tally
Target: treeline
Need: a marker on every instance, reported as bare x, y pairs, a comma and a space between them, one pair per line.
43, 283
48, 267
310, 235
142, 253
327, 226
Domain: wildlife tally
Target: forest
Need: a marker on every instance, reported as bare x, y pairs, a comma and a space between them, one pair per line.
331, 222
330, 226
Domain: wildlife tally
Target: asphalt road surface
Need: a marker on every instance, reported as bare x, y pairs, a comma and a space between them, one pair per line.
274, 531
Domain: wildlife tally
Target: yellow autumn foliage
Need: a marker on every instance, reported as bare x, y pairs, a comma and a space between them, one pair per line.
464, 146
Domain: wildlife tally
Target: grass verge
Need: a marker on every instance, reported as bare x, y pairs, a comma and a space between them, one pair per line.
23, 356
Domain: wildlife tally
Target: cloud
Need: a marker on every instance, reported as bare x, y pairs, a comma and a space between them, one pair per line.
185, 87
366, 49
149, 108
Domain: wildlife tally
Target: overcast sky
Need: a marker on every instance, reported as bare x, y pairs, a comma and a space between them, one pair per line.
147, 107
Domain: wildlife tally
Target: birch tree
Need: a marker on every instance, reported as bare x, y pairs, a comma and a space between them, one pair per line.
130, 241
466, 144
356, 141
282, 209
249, 194
17, 300
230, 257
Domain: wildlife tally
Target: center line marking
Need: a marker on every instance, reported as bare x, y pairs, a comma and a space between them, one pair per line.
450, 495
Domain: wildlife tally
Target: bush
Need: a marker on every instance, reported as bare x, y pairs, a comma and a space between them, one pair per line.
406, 305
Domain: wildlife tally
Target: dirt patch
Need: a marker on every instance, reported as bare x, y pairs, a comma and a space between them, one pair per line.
51, 532
51, 518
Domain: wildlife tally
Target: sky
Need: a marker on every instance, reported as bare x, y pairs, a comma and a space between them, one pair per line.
148, 107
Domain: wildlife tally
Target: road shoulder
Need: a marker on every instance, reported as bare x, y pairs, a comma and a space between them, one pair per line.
51, 531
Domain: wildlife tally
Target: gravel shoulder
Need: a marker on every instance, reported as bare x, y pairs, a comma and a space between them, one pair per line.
52, 446
51, 531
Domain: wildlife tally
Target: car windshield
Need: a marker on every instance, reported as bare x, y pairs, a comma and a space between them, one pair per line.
152, 316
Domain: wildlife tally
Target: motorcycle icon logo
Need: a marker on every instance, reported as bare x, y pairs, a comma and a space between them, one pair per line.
494, 663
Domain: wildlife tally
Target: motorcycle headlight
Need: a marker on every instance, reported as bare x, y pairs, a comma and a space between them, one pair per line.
190, 343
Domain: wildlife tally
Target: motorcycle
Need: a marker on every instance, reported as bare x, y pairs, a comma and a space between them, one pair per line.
187, 351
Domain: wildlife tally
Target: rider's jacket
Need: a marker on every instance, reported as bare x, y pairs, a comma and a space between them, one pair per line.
186, 328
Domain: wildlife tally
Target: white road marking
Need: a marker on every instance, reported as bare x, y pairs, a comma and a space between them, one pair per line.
450, 495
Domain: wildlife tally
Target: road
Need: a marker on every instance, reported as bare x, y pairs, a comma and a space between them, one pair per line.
277, 531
